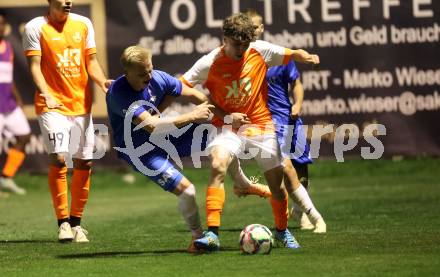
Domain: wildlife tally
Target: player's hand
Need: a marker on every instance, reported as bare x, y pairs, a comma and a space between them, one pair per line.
202, 112
106, 85
307, 58
51, 103
239, 119
295, 111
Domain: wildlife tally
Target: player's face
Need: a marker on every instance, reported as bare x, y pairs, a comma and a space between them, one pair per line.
2, 26
139, 75
257, 21
235, 48
60, 9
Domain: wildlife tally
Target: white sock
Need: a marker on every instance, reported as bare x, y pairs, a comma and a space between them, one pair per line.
302, 198
237, 175
297, 211
190, 211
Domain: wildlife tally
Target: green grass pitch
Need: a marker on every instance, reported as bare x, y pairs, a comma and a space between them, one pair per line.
383, 219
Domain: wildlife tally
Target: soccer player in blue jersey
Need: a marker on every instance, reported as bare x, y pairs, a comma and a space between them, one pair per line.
134, 100
291, 136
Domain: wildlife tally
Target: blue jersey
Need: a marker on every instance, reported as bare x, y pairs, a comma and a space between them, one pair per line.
120, 97
156, 163
278, 80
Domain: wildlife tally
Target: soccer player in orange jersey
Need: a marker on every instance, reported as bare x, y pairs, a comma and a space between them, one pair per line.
285, 117
235, 76
61, 52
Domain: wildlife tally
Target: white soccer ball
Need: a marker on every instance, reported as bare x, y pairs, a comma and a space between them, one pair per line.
256, 239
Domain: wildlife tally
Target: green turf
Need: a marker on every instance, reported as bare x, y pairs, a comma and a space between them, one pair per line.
382, 217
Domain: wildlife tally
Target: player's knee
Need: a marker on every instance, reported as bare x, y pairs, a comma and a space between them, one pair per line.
23, 140
82, 164
57, 159
189, 191
219, 167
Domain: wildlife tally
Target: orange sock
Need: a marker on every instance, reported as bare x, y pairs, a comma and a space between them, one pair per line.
280, 213
79, 191
13, 162
58, 189
215, 199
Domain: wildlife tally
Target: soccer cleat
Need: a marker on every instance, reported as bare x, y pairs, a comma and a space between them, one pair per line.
65, 232
79, 234
9, 185
285, 239
254, 188
320, 226
208, 242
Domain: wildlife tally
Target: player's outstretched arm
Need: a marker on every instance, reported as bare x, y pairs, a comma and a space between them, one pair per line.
96, 73
194, 96
235, 119
302, 56
152, 123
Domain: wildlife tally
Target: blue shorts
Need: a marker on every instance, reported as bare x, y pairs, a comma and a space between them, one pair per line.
292, 140
158, 166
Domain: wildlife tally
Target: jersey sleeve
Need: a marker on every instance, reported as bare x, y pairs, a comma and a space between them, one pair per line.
292, 72
118, 102
272, 54
198, 73
170, 85
31, 38
90, 39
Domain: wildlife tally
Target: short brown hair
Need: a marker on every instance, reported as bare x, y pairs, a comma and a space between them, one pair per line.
134, 55
239, 27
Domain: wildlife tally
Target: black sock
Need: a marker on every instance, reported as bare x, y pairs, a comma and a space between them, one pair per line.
213, 229
61, 221
75, 221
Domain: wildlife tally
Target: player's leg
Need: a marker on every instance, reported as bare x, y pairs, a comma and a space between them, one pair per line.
244, 186
299, 157
222, 151
82, 138
161, 171
296, 212
299, 153
270, 161
55, 129
16, 124
186, 194
301, 197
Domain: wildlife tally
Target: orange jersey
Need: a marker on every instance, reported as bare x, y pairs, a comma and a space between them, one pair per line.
240, 86
63, 49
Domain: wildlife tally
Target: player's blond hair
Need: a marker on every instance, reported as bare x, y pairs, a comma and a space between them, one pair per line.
239, 27
134, 55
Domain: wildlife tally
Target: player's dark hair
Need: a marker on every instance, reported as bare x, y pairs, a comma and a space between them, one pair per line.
239, 27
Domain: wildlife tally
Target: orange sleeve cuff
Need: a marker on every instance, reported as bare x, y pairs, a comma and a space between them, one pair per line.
90, 51
287, 56
185, 82
29, 53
